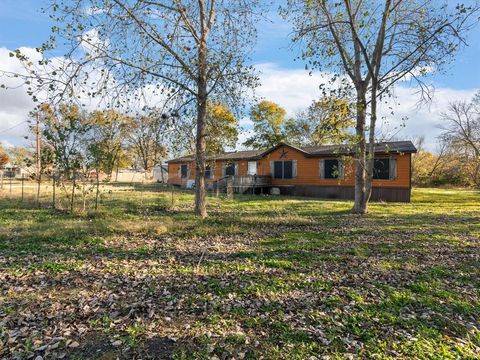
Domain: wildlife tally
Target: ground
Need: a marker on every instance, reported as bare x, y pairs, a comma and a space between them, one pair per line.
271, 277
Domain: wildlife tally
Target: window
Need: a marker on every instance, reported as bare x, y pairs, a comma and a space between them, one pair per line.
381, 169
208, 172
184, 171
332, 169
230, 169
252, 168
283, 169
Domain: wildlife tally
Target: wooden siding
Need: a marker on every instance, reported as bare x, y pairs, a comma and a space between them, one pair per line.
308, 170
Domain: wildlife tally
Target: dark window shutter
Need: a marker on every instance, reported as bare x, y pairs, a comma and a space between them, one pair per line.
278, 169
288, 169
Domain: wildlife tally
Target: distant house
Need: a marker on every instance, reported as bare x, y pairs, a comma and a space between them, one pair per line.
318, 171
17, 172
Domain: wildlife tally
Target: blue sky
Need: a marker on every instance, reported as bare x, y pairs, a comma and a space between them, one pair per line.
283, 79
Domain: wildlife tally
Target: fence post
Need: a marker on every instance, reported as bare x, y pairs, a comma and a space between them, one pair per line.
72, 201
229, 188
39, 184
53, 192
22, 186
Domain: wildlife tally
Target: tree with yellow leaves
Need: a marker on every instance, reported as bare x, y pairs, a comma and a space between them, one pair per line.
268, 120
221, 129
3, 157
325, 121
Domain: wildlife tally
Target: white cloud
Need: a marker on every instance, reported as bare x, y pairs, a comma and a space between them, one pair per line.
15, 104
6, 144
293, 89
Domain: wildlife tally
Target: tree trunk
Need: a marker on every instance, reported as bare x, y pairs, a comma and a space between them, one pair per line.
97, 192
359, 206
39, 183
202, 95
73, 193
200, 193
53, 189
371, 148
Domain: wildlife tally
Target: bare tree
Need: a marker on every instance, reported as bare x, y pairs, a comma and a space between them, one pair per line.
461, 130
417, 157
371, 46
153, 51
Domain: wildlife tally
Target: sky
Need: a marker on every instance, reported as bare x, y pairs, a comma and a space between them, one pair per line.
284, 80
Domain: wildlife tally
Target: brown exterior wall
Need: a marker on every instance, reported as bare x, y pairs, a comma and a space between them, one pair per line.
308, 181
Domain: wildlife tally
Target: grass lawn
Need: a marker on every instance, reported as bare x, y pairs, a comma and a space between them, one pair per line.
278, 278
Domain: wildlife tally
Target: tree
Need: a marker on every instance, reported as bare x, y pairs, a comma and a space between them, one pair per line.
4, 158
64, 130
181, 51
221, 131
268, 124
222, 128
462, 132
325, 121
370, 46
108, 136
145, 140
21, 156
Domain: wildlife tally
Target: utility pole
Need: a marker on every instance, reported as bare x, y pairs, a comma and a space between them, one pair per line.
39, 156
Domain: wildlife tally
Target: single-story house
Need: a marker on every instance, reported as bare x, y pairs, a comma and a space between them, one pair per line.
326, 171
17, 172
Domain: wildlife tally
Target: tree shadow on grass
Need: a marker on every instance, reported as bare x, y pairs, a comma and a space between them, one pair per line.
300, 288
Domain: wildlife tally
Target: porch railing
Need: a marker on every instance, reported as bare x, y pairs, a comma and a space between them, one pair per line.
242, 184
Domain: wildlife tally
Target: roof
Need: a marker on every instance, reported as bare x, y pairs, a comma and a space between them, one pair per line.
233, 155
380, 148
389, 147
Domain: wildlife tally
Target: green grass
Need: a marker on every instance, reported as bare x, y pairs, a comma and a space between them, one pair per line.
271, 277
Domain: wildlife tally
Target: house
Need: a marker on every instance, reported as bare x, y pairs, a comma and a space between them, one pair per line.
326, 171
17, 172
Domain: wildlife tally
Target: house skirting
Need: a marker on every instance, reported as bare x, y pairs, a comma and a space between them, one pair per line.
390, 194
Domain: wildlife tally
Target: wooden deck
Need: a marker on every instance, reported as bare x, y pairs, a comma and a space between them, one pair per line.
249, 184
